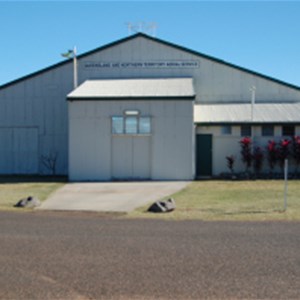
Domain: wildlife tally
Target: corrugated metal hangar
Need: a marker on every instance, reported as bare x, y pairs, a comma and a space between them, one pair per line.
145, 109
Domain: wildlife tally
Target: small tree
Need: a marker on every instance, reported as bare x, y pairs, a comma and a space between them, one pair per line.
258, 157
272, 153
49, 161
230, 163
246, 152
296, 151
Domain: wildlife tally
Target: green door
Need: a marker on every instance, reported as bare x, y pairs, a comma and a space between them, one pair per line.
203, 155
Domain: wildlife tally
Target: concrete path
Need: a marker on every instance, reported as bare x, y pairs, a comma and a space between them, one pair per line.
110, 196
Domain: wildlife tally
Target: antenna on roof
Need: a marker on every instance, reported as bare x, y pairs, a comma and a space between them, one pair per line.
145, 27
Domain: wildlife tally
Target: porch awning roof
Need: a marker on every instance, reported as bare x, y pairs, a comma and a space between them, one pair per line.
123, 89
241, 113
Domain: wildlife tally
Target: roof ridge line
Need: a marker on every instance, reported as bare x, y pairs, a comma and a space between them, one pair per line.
140, 34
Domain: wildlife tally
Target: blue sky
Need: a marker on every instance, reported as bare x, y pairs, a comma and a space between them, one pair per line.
263, 36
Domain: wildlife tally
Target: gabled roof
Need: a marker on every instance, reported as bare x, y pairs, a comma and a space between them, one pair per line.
157, 41
119, 89
238, 113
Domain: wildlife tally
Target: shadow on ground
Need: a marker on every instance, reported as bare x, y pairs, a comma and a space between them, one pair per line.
30, 178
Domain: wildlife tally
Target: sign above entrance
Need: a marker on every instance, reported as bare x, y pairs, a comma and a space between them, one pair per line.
151, 64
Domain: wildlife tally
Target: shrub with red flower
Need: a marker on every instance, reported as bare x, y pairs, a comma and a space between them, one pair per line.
272, 152
284, 151
296, 151
258, 157
230, 163
246, 141
246, 152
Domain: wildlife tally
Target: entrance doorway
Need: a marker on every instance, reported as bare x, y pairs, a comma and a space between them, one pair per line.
131, 157
203, 155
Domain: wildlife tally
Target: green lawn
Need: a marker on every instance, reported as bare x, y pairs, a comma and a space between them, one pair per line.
203, 200
232, 200
14, 188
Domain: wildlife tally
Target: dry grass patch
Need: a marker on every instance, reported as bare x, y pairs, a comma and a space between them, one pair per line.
12, 189
233, 200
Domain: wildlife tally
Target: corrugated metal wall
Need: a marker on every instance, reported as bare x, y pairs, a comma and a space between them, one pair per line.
19, 151
33, 123
213, 81
39, 102
96, 154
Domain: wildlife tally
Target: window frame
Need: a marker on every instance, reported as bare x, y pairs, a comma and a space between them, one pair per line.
224, 129
288, 127
140, 128
134, 115
246, 127
265, 128
121, 120
131, 125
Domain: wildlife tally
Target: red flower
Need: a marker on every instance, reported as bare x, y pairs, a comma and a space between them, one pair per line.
297, 139
271, 146
285, 143
245, 141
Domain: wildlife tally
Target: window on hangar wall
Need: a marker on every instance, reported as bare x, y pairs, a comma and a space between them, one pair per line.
246, 130
226, 129
288, 130
267, 130
131, 123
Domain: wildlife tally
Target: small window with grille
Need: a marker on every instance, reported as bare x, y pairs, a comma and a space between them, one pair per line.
246, 130
267, 130
288, 130
226, 130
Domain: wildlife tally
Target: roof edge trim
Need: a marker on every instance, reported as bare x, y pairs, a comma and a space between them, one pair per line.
136, 98
64, 62
245, 122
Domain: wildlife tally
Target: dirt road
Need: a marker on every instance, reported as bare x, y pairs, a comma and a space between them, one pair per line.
47, 255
